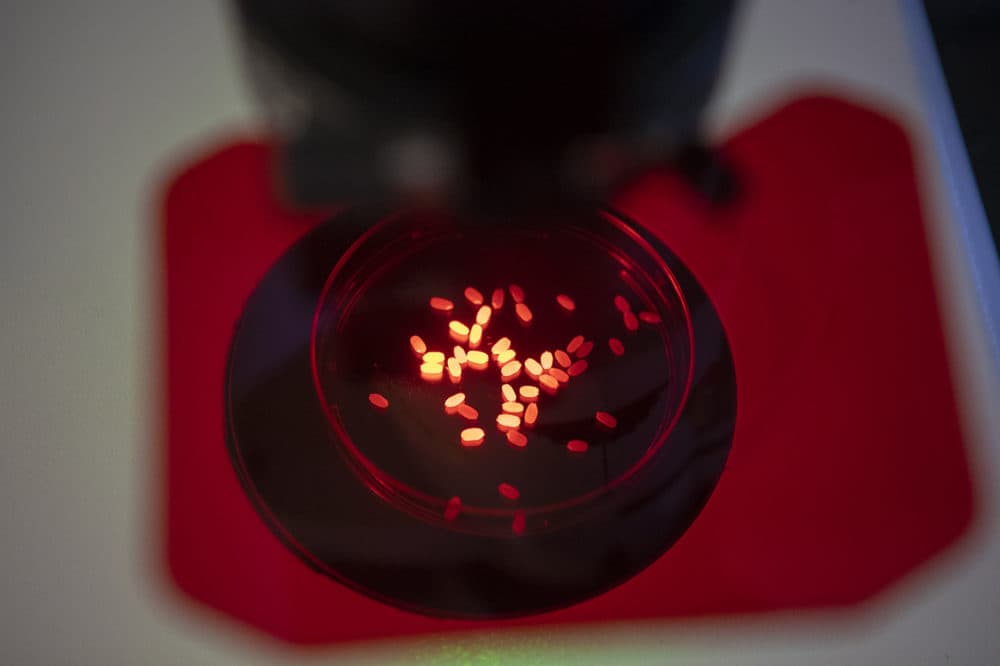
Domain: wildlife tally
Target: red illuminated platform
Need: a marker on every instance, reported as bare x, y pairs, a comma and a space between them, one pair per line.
847, 471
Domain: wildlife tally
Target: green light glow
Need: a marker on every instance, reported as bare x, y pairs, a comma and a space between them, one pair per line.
515, 650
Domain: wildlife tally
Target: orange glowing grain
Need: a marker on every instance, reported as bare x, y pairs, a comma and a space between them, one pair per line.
454, 370
515, 408
458, 331
565, 302
549, 384
497, 300
576, 445
574, 344
478, 360
511, 371
546, 360
533, 368
509, 491
453, 508
528, 393
517, 438
649, 317
475, 336
507, 422
468, 412
562, 358
509, 395
577, 368
561, 375
506, 357
473, 436
453, 402
523, 312
606, 420
631, 323
617, 348
434, 357
378, 400
531, 415
483, 315
473, 295
459, 354
431, 371
442, 304
622, 304
418, 345
501, 345
517, 293
517, 526
584, 350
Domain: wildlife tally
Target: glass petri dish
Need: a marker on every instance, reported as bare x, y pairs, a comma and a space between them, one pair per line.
410, 454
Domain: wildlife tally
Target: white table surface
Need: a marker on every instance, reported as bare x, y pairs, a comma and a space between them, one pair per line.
100, 99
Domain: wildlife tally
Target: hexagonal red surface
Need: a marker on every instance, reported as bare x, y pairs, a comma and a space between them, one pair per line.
848, 469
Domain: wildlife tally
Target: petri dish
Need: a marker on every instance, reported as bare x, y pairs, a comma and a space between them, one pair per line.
377, 297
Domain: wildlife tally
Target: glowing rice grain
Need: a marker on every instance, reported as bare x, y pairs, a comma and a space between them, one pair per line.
516, 293
473, 436
501, 345
517, 438
473, 295
649, 317
458, 331
509, 491
565, 302
606, 420
561, 375
517, 526
585, 349
616, 346
378, 400
549, 384
454, 370
509, 395
459, 354
478, 360
523, 312
434, 357
528, 393
576, 445
475, 336
546, 360
533, 368
577, 368
622, 304
418, 345
453, 508
506, 357
631, 323
514, 408
432, 372
507, 422
562, 358
483, 315
468, 412
574, 344
511, 371
531, 415
442, 304
453, 402
497, 300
